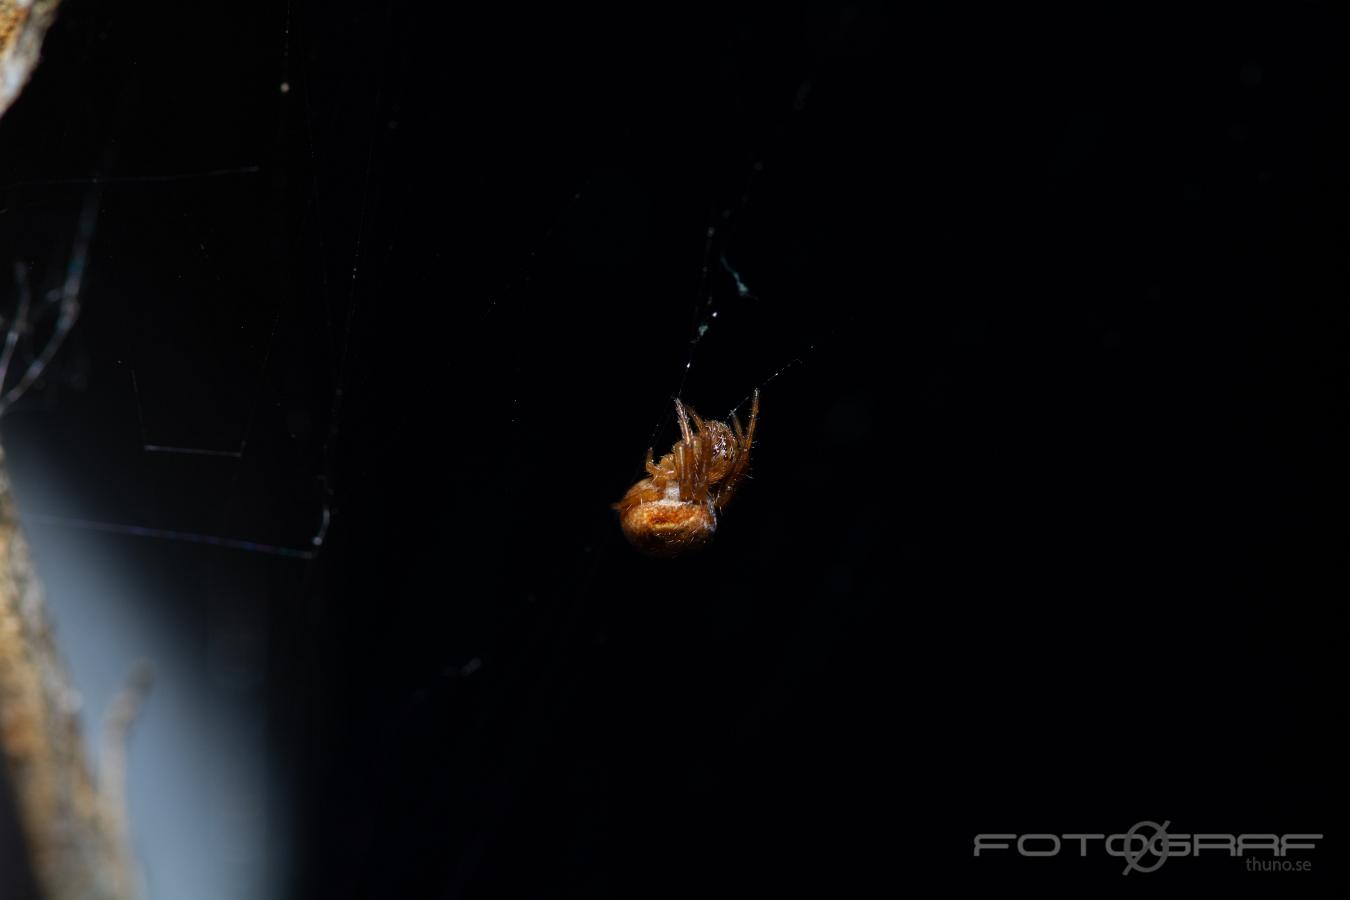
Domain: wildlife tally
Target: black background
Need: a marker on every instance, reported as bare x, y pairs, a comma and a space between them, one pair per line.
1046, 308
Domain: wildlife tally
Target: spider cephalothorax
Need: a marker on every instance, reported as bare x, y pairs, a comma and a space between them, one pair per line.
675, 507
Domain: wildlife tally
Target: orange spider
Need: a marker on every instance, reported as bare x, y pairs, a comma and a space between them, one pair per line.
675, 507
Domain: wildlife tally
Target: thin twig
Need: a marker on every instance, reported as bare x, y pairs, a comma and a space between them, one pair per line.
20, 320
112, 781
68, 312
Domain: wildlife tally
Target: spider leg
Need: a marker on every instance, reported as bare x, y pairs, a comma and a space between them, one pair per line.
742, 459
705, 448
684, 421
754, 417
677, 460
705, 451
733, 478
686, 462
697, 421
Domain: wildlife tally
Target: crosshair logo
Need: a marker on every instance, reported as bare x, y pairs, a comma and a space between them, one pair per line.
1156, 846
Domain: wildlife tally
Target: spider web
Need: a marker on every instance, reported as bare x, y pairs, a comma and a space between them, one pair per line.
195, 421
742, 334
172, 457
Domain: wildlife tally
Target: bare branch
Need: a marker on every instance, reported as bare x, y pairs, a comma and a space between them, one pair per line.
68, 310
20, 322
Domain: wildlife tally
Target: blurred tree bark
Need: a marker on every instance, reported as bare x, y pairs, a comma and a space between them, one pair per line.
69, 827
74, 836
23, 24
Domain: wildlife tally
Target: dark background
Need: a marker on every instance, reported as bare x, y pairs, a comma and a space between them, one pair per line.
1043, 534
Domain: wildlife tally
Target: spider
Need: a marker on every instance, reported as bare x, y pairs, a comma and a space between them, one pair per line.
675, 507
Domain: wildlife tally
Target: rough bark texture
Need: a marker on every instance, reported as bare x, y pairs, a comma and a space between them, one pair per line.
76, 838
22, 26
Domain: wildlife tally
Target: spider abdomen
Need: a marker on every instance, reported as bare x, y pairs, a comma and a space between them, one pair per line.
667, 527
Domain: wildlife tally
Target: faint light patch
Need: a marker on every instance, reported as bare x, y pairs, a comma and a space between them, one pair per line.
471, 666
741, 289
239, 827
198, 742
